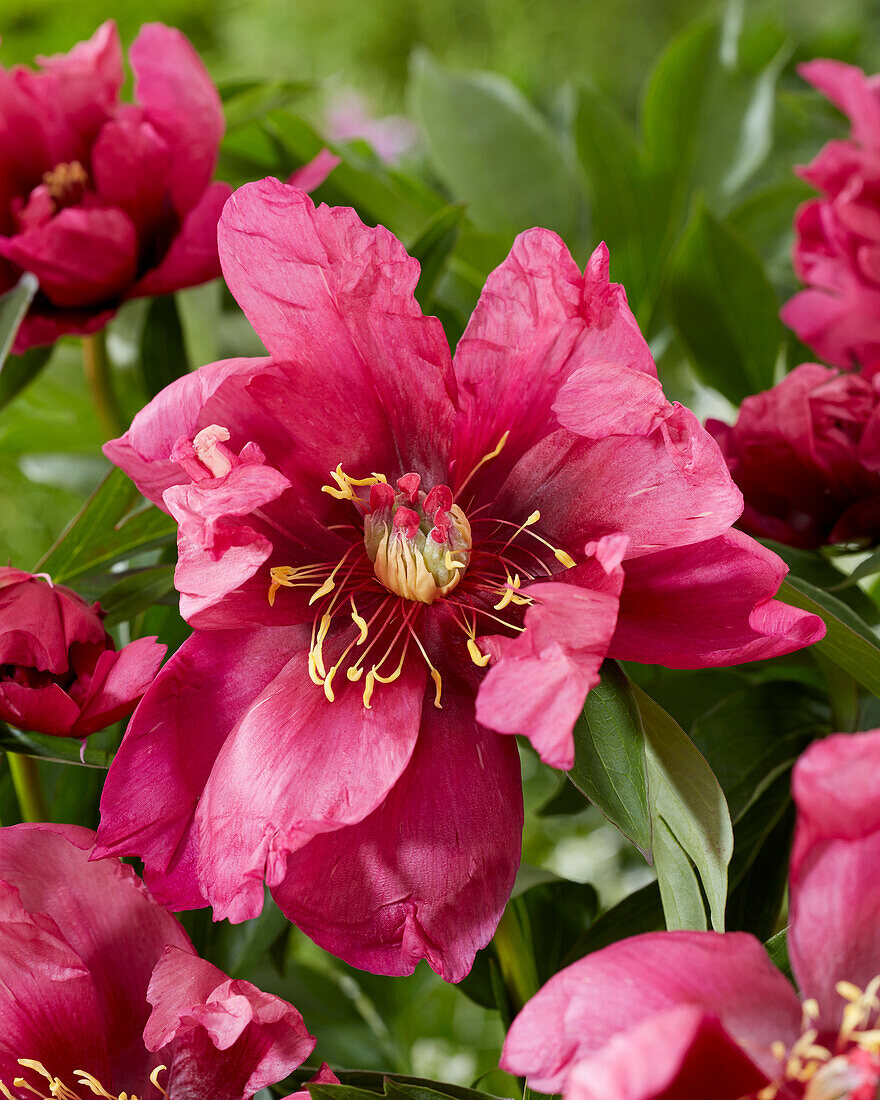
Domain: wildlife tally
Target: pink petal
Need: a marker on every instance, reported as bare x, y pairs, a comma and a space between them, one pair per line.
155, 782
39, 622
179, 99
119, 680
130, 164
310, 280
585, 1006
324, 1076
850, 90
603, 399
422, 877
144, 452
41, 328
322, 766
192, 256
538, 684
230, 1039
109, 919
313, 174
47, 709
48, 1002
835, 902
681, 1054
708, 605
83, 256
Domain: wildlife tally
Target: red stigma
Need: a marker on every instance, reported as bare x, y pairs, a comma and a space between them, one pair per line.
440, 497
409, 485
407, 520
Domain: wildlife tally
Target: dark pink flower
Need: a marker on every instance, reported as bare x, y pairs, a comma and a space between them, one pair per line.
86, 952
104, 200
688, 1015
364, 528
837, 252
806, 455
60, 671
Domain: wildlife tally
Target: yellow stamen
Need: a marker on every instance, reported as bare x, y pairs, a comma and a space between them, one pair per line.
566, 559
324, 590
450, 563
343, 490
369, 684
359, 622
154, 1079
354, 673
328, 680
317, 648
438, 685
477, 656
94, 1084
486, 458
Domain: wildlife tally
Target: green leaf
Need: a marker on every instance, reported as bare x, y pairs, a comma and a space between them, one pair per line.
360, 1085
103, 531
754, 735
686, 800
163, 350
849, 642
724, 308
493, 149
777, 948
17, 370
135, 591
432, 248
609, 764
64, 750
640, 911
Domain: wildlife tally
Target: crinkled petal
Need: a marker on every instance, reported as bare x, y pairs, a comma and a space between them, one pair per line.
312, 279
109, 919
708, 605
144, 452
118, 682
423, 876
83, 256
682, 1054
179, 99
539, 681
609, 992
602, 399
171, 745
230, 1039
322, 765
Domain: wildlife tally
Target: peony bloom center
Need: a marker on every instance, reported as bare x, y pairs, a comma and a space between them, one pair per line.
845, 1066
55, 1088
419, 543
66, 184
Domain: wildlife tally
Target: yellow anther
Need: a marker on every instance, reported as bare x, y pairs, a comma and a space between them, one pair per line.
369, 684
154, 1079
486, 458
313, 671
328, 680
848, 991
359, 622
450, 562
533, 518
354, 673
438, 685
777, 1049
342, 490
477, 656
94, 1084
566, 559
324, 590
317, 648
280, 575
4, 1091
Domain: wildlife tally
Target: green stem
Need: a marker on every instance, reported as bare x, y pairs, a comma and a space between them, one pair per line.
843, 694
513, 947
96, 367
28, 789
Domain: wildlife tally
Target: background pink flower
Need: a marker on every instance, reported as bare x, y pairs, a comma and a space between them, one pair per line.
391, 559
837, 252
692, 1014
806, 455
60, 671
86, 952
104, 200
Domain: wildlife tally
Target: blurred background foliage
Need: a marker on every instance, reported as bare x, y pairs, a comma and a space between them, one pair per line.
668, 128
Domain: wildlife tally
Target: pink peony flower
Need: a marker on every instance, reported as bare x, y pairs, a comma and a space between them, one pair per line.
86, 952
101, 200
390, 560
837, 252
60, 672
688, 1015
391, 137
806, 455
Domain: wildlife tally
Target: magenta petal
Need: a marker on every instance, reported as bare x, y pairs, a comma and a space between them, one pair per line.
849, 90
602, 399
82, 256
709, 604
681, 1054
39, 710
195, 701
835, 899
144, 452
107, 917
313, 174
130, 168
422, 877
230, 1039
192, 258
539, 682
322, 766
309, 279
179, 99
611, 991
119, 680
48, 1002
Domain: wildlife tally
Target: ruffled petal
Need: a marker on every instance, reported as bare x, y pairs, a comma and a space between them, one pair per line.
118, 682
322, 765
229, 1038
708, 605
423, 876
310, 280
585, 1006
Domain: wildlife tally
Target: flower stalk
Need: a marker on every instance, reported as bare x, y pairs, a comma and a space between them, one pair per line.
28, 787
96, 367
